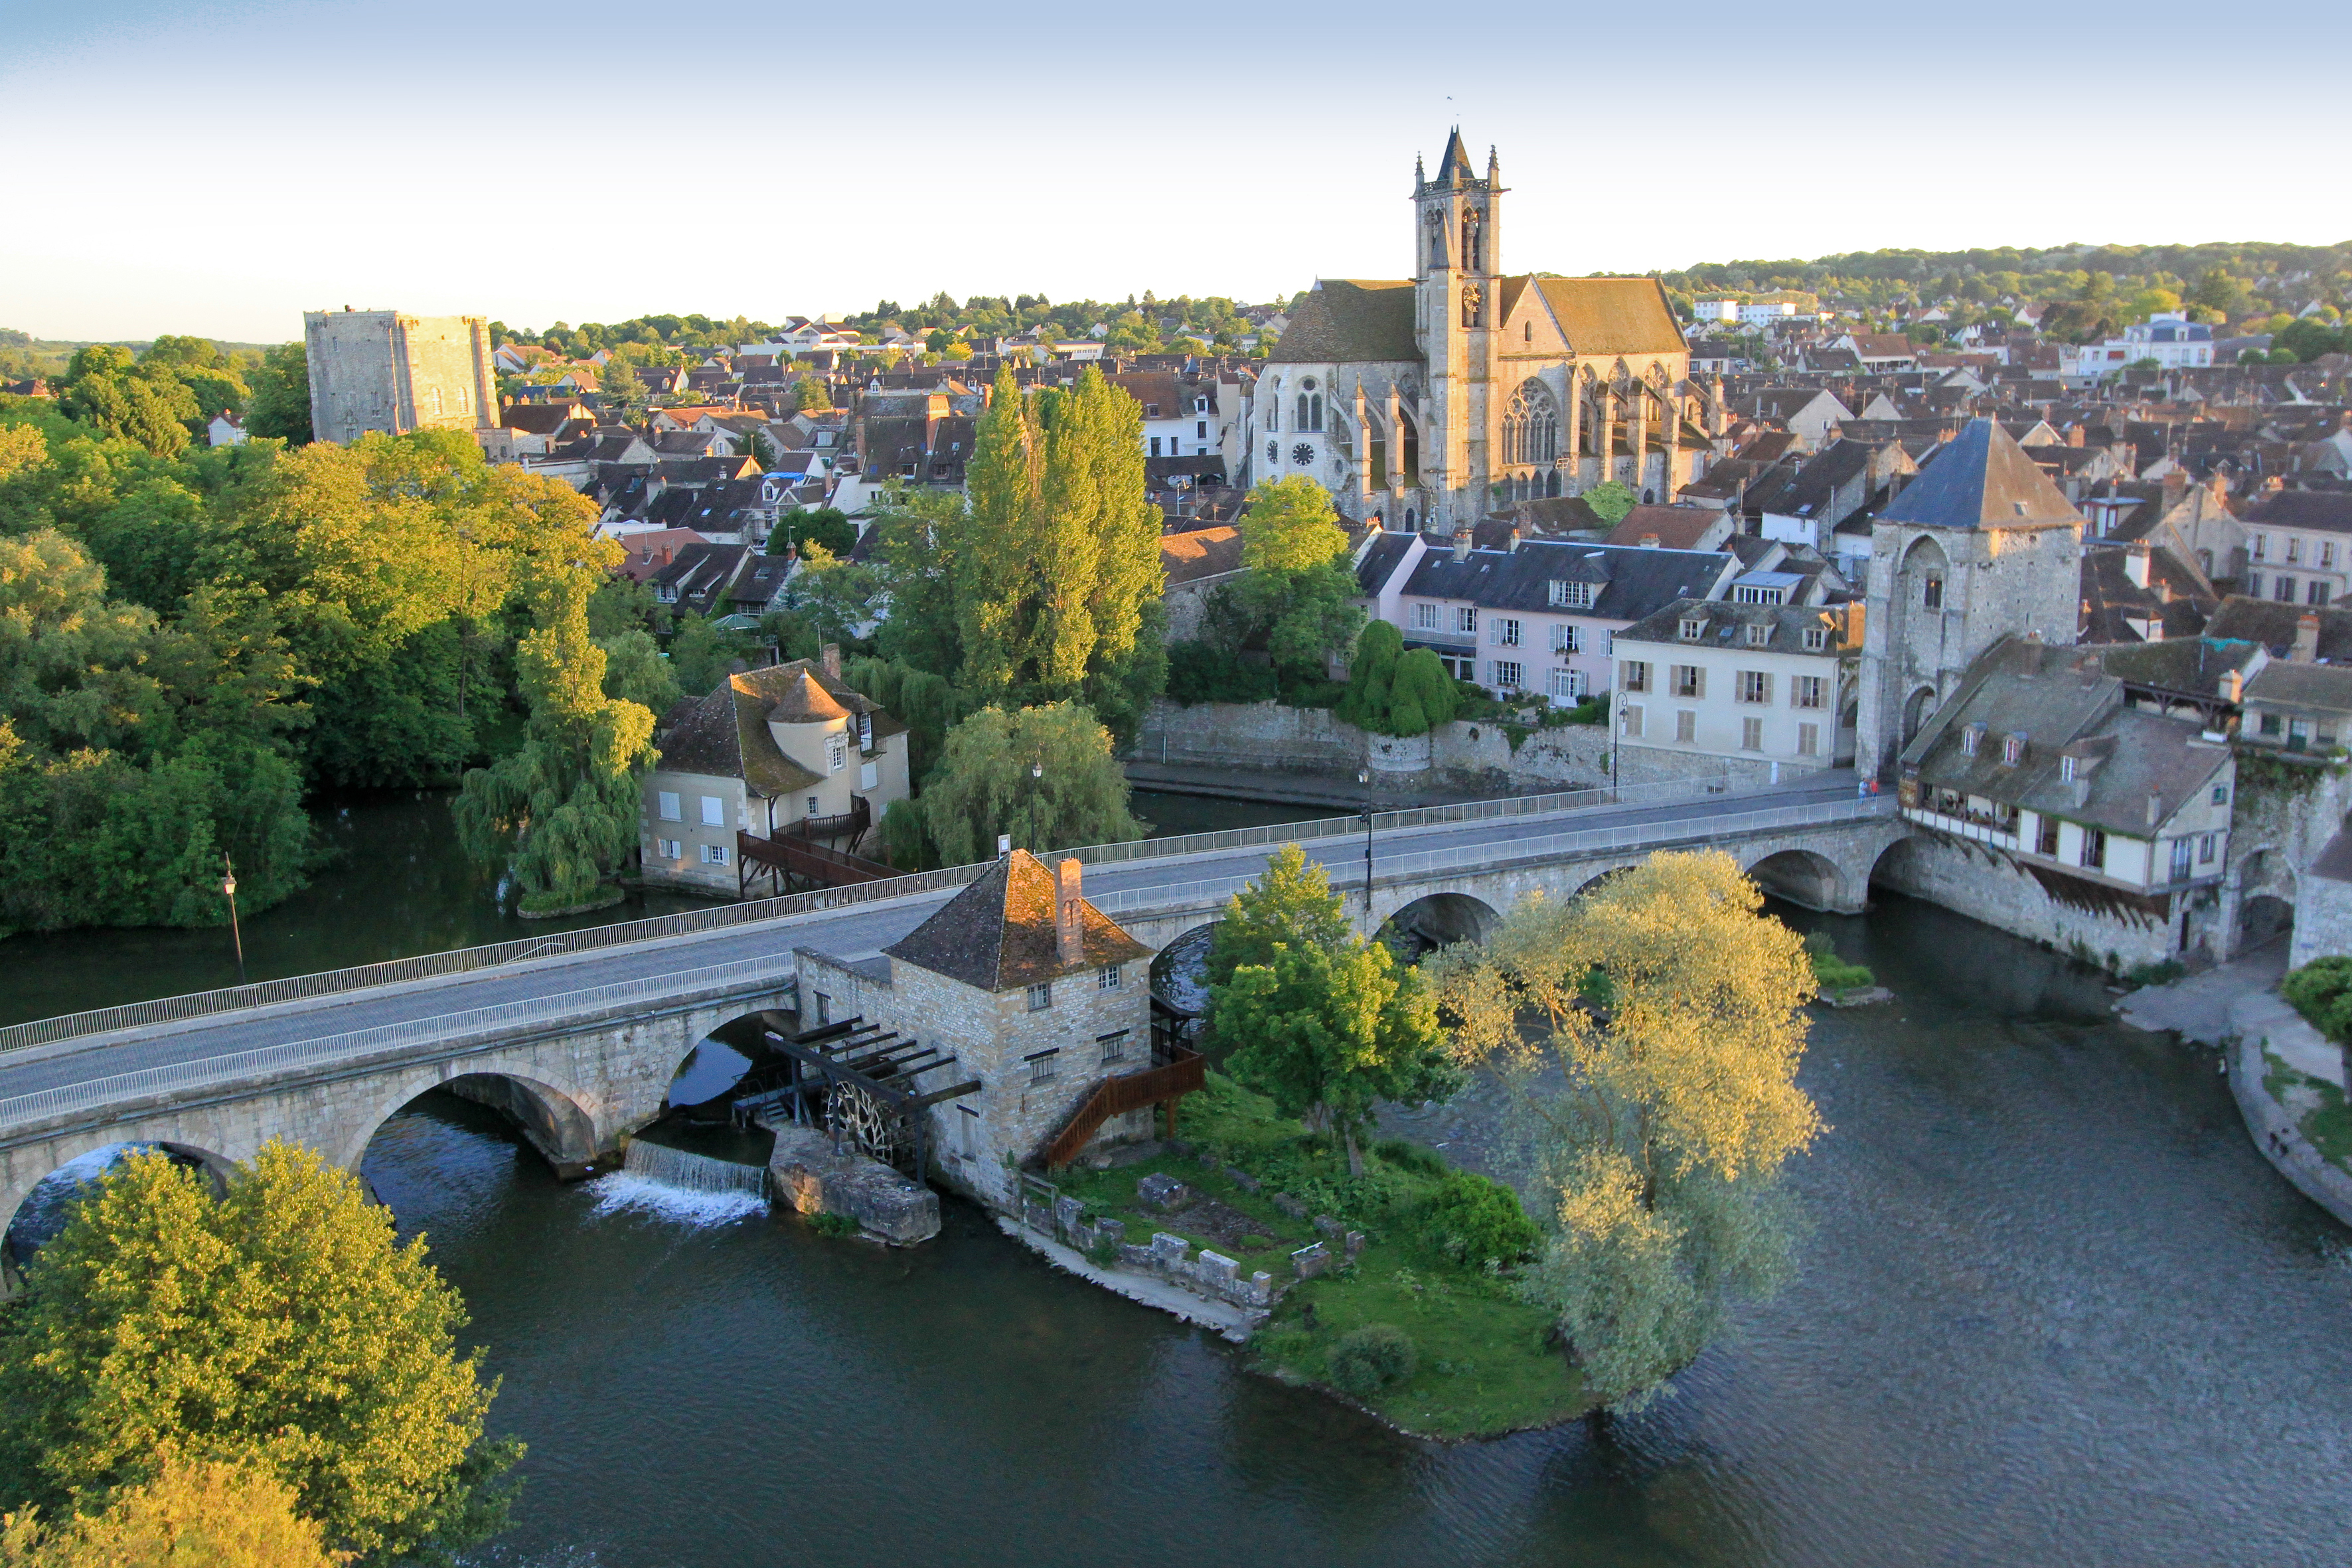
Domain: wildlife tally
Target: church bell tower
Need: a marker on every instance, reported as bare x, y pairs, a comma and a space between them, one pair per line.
1457, 242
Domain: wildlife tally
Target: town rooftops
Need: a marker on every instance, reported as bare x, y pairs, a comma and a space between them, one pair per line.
998, 934
1980, 478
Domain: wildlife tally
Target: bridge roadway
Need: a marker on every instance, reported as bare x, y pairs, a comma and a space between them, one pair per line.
850, 931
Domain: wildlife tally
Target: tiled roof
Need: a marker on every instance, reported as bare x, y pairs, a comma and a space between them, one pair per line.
998, 934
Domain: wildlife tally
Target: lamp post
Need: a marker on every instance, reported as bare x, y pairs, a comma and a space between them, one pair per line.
228, 892
1364, 777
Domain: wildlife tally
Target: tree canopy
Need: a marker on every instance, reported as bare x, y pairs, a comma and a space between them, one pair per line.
1659, 1120
279, 1327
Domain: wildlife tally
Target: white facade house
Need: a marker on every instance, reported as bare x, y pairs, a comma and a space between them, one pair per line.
1754, 690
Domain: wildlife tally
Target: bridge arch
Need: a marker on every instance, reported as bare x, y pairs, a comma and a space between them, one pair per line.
1440, 919
1801, 876
552, 1118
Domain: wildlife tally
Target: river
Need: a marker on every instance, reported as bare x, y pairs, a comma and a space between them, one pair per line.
2053, 1307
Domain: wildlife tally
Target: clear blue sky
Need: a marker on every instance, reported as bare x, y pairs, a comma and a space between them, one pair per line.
217, 168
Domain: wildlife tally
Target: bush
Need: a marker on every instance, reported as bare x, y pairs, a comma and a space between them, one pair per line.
2322, 992
1476, 1221
1205, 672
1368, 1359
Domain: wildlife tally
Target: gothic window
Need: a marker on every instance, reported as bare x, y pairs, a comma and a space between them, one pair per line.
1472, 251
1531, 425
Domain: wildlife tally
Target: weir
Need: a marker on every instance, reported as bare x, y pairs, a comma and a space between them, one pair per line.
693, 1172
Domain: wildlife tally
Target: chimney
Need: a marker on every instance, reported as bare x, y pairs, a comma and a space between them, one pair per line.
1069, 930
2307, 639
828, 659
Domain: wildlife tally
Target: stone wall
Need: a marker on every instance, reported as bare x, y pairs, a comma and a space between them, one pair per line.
1988, 885
1463, 755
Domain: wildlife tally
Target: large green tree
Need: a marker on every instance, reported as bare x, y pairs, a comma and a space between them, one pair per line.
280, 1326
1660, 1120
1045, 775
1324, 1022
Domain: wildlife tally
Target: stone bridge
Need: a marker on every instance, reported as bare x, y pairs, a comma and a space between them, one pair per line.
577, 1037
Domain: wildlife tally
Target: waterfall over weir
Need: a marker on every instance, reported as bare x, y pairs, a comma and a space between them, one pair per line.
694, 1173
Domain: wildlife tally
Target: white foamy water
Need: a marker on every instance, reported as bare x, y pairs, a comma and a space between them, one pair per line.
626, 1190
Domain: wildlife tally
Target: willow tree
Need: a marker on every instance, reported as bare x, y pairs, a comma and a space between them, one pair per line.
561, 811
1655, 1126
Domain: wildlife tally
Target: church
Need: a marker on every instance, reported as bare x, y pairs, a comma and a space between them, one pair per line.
1431, 401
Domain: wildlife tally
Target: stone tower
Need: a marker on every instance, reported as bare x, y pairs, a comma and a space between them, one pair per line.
1457, 257
1979, 546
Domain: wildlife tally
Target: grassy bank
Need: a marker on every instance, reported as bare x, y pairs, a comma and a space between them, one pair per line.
1481, 1361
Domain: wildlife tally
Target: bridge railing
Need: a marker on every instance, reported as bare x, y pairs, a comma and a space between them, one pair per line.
457, 960
359, 1045
1545, 847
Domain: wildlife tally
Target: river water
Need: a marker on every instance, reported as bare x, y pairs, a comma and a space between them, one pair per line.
2053, 1307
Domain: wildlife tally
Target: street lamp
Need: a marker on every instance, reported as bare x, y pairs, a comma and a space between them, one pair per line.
1364, 777
228, 892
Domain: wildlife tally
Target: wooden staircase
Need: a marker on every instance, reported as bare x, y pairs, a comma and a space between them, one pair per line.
1165, 1086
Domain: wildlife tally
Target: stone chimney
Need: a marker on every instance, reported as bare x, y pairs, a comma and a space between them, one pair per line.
2307, 639
828, 660
1069, 929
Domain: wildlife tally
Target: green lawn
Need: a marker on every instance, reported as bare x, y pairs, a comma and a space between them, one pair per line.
1484, 1366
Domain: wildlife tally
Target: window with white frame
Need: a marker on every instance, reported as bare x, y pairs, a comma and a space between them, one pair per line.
1041, 997
1567, 638
1567, 685
669, 806
1424, 617
1466, 618
1508, 674
1506, 631
714, 812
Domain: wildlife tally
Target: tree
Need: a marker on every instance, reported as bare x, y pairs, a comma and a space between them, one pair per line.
280, 1327
561, 812
279, 404
196, 1513
1324, 1023
1046, 775
810, 394
1659, 1121
1610, 502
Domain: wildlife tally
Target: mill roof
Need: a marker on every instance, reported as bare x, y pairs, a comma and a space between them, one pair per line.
998, 934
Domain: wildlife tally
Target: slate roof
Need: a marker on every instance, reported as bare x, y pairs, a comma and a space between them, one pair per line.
2328, 511
1351, 320
1633, 582
1980, 479
2064, 700
998, 934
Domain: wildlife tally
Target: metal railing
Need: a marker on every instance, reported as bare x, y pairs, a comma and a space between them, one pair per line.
462, 959
358, 1044
1549, 846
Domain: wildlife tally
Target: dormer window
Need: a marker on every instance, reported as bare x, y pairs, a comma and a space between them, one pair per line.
2012, 752
1693, 629
1760, 634
1972, 737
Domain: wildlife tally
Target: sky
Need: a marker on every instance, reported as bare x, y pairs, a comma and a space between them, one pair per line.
218, 168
